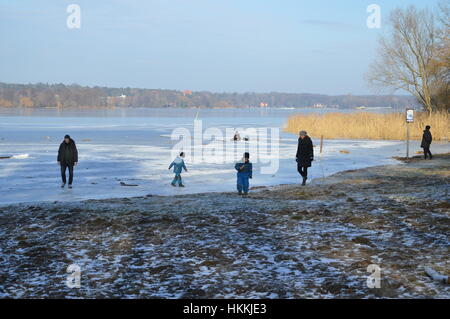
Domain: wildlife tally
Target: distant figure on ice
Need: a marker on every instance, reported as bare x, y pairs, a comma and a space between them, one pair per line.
237, 136
244, 171
67, 159
178, 165
427, 138
305, 155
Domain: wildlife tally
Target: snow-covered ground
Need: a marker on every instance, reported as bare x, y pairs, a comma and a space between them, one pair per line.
134, 146
284, 241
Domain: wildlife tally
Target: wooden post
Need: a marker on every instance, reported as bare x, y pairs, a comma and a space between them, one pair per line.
321, 143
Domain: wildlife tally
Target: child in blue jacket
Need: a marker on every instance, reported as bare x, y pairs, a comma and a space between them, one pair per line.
178, 165
244, 172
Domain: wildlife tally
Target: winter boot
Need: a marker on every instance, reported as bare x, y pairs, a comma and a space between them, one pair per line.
304, 181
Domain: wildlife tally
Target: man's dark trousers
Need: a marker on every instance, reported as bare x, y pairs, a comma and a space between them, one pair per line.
64, 166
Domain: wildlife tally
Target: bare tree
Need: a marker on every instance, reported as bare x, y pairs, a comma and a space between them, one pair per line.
406, 54
441, 64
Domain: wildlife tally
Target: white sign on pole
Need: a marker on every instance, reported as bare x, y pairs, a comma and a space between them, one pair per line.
409, 115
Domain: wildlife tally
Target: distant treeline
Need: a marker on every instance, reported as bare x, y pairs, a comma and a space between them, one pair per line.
65, 96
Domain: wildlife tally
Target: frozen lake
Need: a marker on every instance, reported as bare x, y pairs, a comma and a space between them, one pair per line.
134, 146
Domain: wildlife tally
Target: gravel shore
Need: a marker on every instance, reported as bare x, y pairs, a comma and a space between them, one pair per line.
286, 241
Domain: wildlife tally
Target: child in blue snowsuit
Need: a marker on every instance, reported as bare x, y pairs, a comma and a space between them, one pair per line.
178, 165
244, 172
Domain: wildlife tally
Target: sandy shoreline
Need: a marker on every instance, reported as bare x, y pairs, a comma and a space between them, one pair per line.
286, 241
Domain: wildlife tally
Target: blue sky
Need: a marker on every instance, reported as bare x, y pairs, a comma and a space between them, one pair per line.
216, 45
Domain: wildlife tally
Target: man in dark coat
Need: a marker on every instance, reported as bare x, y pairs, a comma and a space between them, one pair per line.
305, 155
426, 142
67, 159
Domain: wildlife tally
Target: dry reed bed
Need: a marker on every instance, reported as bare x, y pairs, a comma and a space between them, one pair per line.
364, 125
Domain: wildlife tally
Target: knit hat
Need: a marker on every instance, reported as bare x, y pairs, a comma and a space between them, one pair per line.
67, 136
303, 133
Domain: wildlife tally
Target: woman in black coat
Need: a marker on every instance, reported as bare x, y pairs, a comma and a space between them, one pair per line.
427, 138
305, 155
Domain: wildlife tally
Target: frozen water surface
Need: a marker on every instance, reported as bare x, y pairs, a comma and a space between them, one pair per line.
134, 146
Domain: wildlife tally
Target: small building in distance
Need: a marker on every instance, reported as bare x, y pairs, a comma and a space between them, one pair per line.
263, 104
187, 93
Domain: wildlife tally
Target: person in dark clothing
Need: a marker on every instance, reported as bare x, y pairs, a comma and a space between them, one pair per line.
67, 159
427, 138
244, 170
305, 155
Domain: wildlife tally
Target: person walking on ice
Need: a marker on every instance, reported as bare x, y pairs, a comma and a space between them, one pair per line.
427, 138
244, 171
178, 165
67, 159
305, 155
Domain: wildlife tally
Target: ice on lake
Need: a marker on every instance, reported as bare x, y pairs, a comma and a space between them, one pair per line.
134, 146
